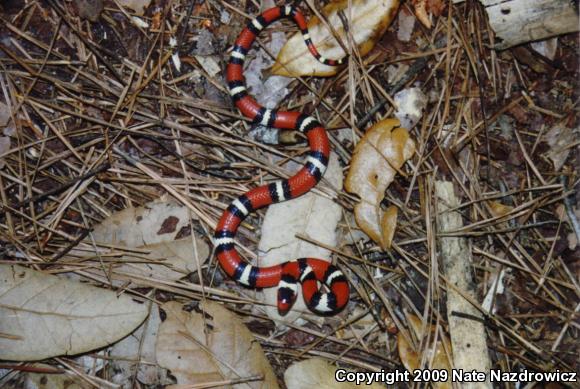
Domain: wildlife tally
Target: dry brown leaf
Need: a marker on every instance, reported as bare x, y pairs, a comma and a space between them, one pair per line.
319, 374
370, 19
412, 359
498, 209
151, 230
384, 149
425, 8
42, 316
388, 225
436, 7
211, 346
421, 12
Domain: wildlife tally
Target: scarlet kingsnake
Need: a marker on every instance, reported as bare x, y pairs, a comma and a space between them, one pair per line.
307, 271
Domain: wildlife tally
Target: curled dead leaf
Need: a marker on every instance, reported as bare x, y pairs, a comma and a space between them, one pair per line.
421, 12
369, 19
498, 209
375, 161
425, 8
388, 224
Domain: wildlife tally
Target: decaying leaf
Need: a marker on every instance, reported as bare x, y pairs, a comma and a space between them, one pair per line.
439, 357
388, 224
50, 381
5, 115
498, 209
406, 23
139, 22
211, 346
375, 161
421, 12
7, 125
319, 374
350, 232
209, 63
527, 57
135, 355
4, 148
410, 104
268, 91
496, 288
148, 235
89, 9
368, 20
563, 215
310, 215
363, 323
560, 138
425, 8
138, 6
546, 47
42, 316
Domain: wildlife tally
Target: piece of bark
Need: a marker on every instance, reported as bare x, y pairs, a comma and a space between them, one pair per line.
520, 21
466, 328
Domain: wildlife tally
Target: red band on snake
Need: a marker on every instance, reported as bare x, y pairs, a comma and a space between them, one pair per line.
306, 271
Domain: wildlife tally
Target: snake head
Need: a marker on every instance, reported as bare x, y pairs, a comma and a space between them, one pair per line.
286, 295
